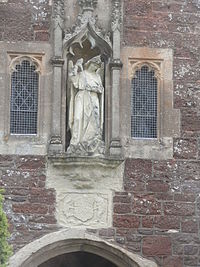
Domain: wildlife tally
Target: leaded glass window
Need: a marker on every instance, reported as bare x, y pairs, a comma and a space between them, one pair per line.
24, 99
144, 104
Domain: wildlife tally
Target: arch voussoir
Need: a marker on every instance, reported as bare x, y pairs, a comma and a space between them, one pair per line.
75, 240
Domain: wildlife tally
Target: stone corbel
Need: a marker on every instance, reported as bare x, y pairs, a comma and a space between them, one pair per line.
55, 140
57, 61
115, 63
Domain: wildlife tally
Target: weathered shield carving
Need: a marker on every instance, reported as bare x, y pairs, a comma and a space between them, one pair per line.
81, 208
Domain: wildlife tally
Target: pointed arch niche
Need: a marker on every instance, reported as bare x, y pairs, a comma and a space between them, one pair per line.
85, 45
83, 41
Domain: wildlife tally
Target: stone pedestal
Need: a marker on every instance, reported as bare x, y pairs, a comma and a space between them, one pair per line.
84, 189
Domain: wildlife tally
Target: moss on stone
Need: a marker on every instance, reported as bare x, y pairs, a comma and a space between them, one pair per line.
5, 248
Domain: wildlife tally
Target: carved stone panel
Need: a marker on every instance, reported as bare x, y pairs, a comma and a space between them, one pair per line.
84, 190
84, 209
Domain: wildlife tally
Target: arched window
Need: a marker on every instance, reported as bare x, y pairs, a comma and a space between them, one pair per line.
144, 104
24, 98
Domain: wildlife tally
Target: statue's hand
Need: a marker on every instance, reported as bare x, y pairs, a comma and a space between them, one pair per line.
79, 63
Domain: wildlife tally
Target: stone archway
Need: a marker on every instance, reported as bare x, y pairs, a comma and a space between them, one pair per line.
74, 240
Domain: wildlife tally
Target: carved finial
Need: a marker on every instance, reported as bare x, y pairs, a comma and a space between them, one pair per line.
58, 11
116, 14
88, 4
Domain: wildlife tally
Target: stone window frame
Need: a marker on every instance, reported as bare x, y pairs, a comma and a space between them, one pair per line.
161, 60
13, 60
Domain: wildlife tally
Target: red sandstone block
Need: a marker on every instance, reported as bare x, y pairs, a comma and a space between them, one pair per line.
147, 221
186, 94
42, 192
165, 170
134, 185
131, 236
136, 169
41, 27
126, 221
159, 22
168, 7
156, 246
135, 7
6, 161
167, 222
164, 196
13, 178
185, 148
157, 186
184, 197
30, 208
107, 232
189, 226
179, 209
172, 261
190, 123
122, 208
18, 34
48, 219
189, 170
134, 246
122, 231
21, 227
42, 36
30, 162
186, 69
17, 191
186, 173
125, 198
48, 200
144, 204
135, 37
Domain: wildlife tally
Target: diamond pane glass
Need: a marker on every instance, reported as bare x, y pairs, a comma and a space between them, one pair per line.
24, 99
144, 104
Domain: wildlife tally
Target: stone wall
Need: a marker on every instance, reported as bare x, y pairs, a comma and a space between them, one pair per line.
157, 214
29, 206
25, 20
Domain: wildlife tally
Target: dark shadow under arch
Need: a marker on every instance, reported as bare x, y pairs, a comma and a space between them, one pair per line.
77, 259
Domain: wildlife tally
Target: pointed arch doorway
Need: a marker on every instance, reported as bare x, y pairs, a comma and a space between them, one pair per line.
75, 248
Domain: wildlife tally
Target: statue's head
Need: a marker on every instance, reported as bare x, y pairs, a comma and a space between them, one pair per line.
95, 62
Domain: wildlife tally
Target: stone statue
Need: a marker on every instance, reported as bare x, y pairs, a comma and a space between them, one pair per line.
86, 107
